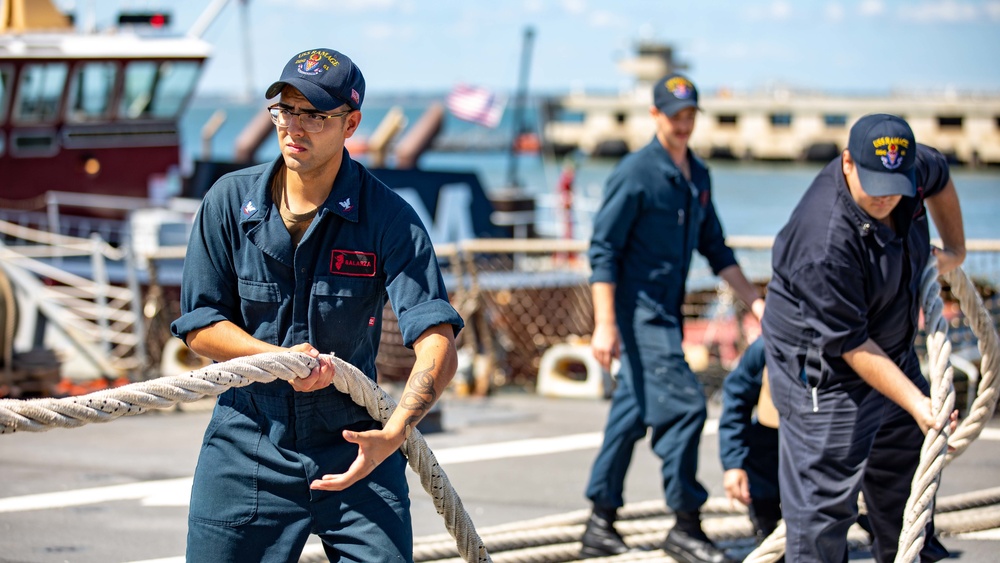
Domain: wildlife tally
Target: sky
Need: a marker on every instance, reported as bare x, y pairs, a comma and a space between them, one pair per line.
428, 46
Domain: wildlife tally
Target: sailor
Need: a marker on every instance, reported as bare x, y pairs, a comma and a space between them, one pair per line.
300, 254
842, 314
657, 210
748, 441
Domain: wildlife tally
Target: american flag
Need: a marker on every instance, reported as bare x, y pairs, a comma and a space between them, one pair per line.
477, 105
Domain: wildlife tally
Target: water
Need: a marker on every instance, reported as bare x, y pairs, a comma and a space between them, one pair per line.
752, 198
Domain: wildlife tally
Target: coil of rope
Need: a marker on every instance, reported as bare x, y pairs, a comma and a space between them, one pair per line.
37, 415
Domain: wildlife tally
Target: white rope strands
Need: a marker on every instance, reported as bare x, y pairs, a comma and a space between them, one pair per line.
927, 478
380, 406
556, 538
37, 415
983, 328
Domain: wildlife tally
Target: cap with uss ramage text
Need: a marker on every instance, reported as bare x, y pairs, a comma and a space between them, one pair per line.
327, 78
674, 92
884, 150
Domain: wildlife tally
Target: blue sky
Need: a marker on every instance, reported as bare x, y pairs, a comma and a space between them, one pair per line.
428, 46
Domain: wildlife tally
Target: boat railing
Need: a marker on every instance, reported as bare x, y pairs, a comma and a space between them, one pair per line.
64, 283
521, 296
108, 229
518, 296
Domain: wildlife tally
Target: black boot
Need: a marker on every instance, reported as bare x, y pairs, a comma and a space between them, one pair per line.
687, 542
600, 539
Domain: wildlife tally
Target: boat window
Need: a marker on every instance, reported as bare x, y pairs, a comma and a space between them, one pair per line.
5, 73
40, 91
835, 120
949, 121
781, 120
157, 89
90, 92
728, 119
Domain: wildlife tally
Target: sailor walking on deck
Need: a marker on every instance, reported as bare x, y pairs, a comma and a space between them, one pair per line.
657, 210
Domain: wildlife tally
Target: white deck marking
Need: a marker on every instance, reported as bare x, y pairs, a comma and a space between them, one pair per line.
175, 492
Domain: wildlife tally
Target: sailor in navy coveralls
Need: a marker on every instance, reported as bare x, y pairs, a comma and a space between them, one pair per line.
657, 210
747, 447
301, 254
842, 313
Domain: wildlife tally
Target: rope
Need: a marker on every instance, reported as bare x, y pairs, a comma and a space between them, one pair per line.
934, 453
927, 478
982, 326
556, 538
380, 405
38, 415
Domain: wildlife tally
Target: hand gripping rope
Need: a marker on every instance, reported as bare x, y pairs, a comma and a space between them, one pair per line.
38, 415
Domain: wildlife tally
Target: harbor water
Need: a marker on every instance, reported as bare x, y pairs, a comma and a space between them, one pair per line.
753, 198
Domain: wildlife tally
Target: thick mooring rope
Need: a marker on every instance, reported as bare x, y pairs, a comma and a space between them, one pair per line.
934, 452
927, 478
37, 415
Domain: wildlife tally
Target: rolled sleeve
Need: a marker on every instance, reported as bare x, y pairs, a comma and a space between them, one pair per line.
414, 321
193, 320
832, 299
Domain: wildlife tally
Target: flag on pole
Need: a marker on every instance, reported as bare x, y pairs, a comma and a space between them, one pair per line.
477, 105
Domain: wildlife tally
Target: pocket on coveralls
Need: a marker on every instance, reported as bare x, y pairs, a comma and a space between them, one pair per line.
224, 492
259, 303
342, 307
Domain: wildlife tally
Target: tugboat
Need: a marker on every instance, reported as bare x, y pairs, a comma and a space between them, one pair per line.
90, 113
89, 137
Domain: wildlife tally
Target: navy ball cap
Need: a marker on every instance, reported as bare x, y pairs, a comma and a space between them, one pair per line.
327, 78
885, 152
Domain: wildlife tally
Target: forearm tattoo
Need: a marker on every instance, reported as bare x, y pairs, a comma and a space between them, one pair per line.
421, 394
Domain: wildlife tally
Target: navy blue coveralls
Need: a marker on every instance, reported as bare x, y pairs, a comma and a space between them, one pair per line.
650, 222
745, 443
841, 277
265, 443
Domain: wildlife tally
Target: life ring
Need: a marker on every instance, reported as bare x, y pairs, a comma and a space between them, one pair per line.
560, 369
177, 358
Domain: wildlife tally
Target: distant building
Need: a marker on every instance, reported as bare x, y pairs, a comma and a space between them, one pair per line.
776, 124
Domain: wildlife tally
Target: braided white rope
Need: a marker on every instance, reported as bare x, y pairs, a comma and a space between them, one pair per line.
927, 478
38, 415
934, 453
983, 328
380, 405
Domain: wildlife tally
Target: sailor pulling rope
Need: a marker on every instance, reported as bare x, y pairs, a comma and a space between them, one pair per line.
38, 415
935, 452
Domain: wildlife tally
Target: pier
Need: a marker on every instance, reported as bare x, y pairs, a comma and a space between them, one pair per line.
773, 124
